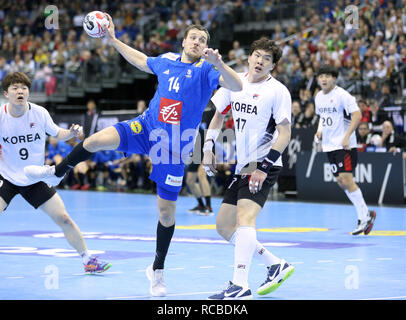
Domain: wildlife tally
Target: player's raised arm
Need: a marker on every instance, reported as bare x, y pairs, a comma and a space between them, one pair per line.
133, 56
229, 78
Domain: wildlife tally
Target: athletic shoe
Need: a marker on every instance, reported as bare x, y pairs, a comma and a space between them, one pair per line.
232, 292
96, 266
197, 209
371, 220
366, 225
207, 211
42, 173
158, 286
277, 273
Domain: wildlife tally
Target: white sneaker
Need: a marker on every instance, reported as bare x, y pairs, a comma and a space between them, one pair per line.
158, 286
362, 225
42, 173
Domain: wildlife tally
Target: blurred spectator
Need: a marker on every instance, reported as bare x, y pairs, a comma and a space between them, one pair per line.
238, 52
90, 118
308, 118
386, 99
42, 75
363, 136
296, 114
16, 64
373, 92
309, 81
378, 116
4, 68
390, 140
366, 114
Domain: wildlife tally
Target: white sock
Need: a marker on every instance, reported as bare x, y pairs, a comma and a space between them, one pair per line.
261, 253
358, 201
85, 256
245, 242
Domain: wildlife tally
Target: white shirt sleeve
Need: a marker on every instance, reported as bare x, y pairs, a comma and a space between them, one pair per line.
221, 99
282, 108
348, 102
50, 127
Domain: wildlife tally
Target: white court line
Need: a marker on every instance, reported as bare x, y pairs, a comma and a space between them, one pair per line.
355, 259
383, 258
168, 295
206, 267
324, 261
176, 269
298, 262
14, 277
385, 298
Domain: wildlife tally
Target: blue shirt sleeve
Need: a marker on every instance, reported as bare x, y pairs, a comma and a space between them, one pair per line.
154, 63
213, 76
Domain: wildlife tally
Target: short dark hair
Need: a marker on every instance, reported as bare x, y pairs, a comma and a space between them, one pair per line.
327, 69
268, 46
15, 77
198, 27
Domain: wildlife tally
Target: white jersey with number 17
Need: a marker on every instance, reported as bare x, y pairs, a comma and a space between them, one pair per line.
22, 141
257, 110
334, 109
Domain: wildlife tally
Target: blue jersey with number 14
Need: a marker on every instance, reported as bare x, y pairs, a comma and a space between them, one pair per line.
184, 89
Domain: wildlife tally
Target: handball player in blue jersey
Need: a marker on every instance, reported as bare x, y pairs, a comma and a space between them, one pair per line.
165, 132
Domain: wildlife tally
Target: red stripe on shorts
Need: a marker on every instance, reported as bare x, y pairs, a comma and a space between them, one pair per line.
347, 162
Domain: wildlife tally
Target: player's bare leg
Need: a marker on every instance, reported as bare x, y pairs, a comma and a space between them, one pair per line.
237, 225
205, 189
3, 205
191, 181
55, 209
366, 217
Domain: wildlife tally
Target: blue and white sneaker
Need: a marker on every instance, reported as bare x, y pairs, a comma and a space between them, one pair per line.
277, 273
233, 292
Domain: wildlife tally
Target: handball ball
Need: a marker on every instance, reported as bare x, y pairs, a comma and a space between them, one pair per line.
376, 140
95, 24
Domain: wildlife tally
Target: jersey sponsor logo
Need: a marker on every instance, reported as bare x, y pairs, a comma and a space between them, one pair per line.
243, 107
170, 111
22, 139
32, 125
189, 73
174, 180
136, 127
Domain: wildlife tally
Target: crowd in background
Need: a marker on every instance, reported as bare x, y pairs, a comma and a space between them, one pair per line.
369, 52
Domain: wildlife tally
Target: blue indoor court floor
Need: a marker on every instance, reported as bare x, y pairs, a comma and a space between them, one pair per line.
38, 263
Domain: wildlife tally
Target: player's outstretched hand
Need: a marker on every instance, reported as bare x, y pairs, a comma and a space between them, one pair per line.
209, 163
76, 130
110, 28
212, 56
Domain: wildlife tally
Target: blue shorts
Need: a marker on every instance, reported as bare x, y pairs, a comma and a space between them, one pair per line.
135, 138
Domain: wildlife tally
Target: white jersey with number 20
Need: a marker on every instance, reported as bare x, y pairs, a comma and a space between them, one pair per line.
334, 109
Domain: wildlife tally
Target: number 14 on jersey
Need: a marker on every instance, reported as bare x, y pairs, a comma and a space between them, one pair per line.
174, 84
